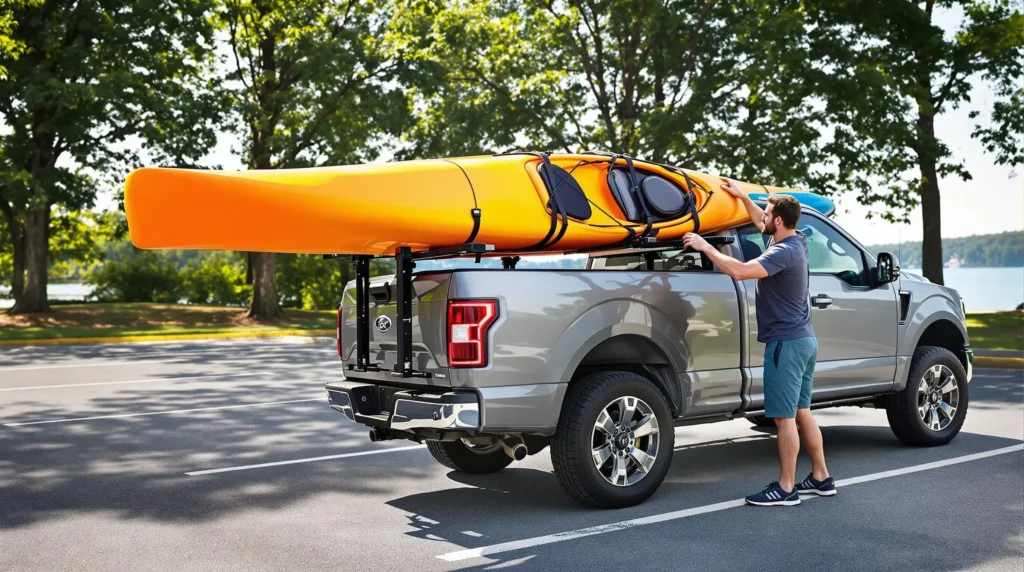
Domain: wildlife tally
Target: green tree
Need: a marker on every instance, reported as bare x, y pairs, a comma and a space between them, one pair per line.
887, 69
697, 83
312, 88
90, 84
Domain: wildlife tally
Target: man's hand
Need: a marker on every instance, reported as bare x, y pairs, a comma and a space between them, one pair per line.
694, 241
727, 264
732, 187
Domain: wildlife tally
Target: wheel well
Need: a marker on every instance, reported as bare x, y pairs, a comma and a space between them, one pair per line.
944, 334
636, 354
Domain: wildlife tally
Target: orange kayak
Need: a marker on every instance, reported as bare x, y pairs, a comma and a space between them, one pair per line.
519, 202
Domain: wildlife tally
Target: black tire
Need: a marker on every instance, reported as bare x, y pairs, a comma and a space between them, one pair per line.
761, 421
902, 409
573, 443
455, 455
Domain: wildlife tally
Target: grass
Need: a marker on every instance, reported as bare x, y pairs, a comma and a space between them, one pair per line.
1001, 330
996, 331
115, 320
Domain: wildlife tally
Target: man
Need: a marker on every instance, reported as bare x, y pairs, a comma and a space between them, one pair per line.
791, 350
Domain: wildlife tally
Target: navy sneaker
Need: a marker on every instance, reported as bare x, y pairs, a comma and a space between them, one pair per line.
774, 495
812, 486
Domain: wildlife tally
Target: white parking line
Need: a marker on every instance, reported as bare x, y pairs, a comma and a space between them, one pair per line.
169, 412
147, 380
71, 365
627, 524
308, 460
126, 360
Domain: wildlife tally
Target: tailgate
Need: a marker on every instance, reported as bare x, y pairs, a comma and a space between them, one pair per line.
429, 318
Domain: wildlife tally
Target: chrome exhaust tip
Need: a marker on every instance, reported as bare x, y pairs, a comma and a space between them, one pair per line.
515, 448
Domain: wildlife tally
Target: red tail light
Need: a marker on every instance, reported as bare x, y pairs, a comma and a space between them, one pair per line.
468, 322
339, 334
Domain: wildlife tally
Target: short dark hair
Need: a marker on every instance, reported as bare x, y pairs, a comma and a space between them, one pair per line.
787, 208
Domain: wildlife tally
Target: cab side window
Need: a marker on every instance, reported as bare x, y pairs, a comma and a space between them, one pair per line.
831, 253
828, 251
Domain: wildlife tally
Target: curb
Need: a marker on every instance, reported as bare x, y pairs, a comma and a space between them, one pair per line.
167, 338
998, 362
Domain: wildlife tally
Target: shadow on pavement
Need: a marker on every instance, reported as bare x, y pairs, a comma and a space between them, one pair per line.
135, 467
520, 503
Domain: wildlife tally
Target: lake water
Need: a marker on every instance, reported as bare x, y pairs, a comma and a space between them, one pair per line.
982, 289
985, 289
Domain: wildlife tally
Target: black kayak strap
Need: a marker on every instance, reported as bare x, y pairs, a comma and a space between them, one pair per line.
475, 211
640, 196
476, 225
693, 202
556, 207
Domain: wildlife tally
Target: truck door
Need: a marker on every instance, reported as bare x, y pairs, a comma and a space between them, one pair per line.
855, 323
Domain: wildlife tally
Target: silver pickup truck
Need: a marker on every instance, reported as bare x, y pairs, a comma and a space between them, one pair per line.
487, 366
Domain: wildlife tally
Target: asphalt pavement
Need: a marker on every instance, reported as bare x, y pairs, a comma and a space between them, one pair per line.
224, 456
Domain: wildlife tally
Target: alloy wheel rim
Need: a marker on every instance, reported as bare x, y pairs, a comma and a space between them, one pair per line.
938, 397
626, 439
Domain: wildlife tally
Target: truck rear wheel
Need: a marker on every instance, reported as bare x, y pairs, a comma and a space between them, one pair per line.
614, 442
931, 408
469, 458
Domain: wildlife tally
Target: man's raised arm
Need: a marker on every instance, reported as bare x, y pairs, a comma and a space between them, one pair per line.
755, 212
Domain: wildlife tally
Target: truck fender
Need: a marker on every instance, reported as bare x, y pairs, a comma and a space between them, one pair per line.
625, 317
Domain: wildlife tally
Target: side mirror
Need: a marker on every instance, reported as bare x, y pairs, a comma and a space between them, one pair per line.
888, 268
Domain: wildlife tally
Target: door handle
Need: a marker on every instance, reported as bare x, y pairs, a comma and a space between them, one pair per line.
821, 301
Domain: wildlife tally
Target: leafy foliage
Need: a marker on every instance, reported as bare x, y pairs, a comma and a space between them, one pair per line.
217, 279
697, 83
144, 276
90, 86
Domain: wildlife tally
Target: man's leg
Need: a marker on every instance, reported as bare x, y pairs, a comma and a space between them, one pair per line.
811, 437
818, 482
789, 448
806, 424
781, 394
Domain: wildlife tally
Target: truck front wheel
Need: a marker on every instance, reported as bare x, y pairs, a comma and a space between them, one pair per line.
931, 409
614, 442
468, 458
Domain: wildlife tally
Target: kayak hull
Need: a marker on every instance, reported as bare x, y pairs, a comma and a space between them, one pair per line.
373, 209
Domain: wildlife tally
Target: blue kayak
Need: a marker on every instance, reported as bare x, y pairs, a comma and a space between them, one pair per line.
822, 204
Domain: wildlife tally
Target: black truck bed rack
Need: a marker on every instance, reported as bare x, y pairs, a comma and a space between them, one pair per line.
405, 261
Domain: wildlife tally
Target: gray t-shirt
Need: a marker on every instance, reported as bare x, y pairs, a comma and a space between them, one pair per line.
783, 309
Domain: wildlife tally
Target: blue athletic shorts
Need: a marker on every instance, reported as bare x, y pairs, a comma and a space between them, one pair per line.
789, 376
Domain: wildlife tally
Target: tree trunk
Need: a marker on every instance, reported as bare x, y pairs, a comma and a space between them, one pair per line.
264, 304
931, 244
32, 299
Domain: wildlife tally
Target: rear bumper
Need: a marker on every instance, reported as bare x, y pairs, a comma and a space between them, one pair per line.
405, 409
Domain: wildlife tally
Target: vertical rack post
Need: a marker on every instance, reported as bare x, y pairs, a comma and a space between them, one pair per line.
362, 264
403, 268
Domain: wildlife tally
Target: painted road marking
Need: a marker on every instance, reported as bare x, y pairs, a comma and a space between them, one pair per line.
170, 412
308, 460
147, 380
627, 524
67, 366
152, 380
127, 359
